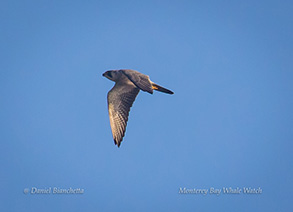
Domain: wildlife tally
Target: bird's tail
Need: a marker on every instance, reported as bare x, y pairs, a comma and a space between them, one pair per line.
159, 88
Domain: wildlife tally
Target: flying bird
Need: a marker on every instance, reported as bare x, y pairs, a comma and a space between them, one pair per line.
120, 98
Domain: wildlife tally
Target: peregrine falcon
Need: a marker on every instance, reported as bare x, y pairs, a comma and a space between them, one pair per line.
121, 97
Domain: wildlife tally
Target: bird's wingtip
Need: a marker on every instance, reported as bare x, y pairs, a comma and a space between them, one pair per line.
118, 143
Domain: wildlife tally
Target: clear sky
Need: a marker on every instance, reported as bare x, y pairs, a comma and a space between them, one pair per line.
229, 123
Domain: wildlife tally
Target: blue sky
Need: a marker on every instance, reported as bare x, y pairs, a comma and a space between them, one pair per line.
229, 123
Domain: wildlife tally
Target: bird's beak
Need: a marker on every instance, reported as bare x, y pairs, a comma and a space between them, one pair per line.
103, 74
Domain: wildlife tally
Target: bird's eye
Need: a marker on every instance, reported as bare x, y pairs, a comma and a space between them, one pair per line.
110, 74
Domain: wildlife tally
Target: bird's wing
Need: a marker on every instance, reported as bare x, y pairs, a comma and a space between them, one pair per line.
120, 99
142, 81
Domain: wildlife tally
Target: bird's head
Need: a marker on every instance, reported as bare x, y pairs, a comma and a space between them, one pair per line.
112, 75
